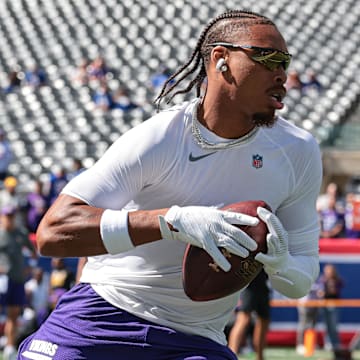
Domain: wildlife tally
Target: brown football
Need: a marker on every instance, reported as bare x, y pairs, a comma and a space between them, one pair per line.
204, 280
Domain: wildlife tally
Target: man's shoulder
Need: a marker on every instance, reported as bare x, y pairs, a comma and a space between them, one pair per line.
168, 120
175, 111
287, 134
297, 145
162, 130
292, 130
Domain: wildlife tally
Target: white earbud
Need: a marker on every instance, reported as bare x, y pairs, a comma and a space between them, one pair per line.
221, 65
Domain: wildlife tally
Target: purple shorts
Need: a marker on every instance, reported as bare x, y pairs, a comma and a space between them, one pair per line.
85, 326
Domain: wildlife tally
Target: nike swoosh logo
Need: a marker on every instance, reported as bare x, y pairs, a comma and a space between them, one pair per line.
196, 158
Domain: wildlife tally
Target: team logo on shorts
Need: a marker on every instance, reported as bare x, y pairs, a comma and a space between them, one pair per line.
40, 350
257, 161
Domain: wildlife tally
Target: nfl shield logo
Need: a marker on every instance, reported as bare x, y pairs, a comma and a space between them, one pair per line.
257, 161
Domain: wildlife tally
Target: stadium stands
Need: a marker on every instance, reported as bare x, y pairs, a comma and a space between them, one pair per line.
53, 123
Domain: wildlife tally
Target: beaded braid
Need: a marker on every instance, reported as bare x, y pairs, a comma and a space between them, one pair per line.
201, 53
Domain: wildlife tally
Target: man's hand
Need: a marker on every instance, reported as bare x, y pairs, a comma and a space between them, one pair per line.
209, 228
276, 258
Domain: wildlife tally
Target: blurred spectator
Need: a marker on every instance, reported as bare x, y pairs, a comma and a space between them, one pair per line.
122, 100
254, 299
158, 79
6, 155
352, 216
293, 81
332, 190
103, 98
353, 185
331, 220
312, 84
61, 280
331, 285
35, 76
97, 69
307, 317
35, 206
14, 79
12, 274
37, 294
58, 179
9, 195
77, 168
81, 75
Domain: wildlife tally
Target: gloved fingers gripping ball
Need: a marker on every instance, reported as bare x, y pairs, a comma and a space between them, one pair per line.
209, 228
277, 254
204, 279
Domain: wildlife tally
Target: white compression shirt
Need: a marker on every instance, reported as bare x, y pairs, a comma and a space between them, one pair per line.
158, 164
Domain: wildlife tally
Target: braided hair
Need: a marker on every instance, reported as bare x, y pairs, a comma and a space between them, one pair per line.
221, 28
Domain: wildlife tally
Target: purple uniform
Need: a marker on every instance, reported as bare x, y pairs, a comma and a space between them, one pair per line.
91, 328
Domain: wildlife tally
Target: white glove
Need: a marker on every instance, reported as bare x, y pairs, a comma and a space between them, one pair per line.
209, 228
277, 256
290, 275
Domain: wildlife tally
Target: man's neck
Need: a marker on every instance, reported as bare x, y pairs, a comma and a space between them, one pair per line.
215, 115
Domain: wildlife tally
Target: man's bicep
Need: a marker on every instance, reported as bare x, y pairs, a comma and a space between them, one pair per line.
97, 189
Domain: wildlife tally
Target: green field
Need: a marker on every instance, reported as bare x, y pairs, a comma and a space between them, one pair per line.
275, 353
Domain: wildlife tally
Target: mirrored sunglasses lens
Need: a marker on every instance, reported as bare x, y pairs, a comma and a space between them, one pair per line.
276, 60
271, 65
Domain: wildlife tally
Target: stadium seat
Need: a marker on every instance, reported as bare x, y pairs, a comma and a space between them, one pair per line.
58, 121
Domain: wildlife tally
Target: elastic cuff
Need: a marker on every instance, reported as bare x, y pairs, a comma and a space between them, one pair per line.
164, 228
172, 214
114, 231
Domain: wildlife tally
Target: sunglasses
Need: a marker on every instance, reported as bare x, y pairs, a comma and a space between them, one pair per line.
271, 58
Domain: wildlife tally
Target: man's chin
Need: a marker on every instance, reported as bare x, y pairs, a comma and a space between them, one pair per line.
267, 119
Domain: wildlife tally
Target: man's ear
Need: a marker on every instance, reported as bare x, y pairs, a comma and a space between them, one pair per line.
218, 58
